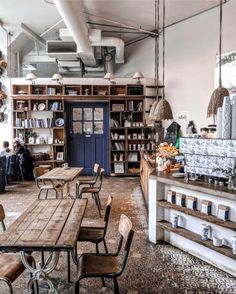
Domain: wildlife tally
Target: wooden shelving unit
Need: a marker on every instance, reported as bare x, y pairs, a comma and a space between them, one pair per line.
128, 131
36, 102
196, 238
198, 214
37, 111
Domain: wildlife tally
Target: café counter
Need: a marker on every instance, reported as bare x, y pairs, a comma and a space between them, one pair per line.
188, 234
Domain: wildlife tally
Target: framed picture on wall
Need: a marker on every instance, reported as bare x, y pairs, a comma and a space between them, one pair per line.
60, 156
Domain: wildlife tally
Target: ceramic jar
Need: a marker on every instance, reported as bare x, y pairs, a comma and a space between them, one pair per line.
234, 244
205, 232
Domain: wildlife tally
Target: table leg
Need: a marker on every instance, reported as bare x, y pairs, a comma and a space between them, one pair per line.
68, 195
41, 274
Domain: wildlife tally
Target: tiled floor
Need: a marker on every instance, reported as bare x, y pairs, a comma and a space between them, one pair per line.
151, 268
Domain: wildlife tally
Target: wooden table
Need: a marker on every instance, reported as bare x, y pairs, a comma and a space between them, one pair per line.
47, 225
63, 175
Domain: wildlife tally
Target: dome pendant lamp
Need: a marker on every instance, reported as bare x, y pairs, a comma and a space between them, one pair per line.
219, 93
163, 110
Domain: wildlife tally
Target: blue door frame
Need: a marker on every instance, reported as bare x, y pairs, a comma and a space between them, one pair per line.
88, 135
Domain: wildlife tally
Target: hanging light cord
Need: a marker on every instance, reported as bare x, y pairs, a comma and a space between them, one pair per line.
164, 42
157, 23
220, 44
155, 48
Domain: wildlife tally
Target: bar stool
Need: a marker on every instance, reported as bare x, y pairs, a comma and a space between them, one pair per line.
94, 190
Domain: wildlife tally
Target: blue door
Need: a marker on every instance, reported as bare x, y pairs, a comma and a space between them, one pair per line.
87, 135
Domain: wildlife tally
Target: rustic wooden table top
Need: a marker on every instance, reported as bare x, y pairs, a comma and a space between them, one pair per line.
63, 174
47, 224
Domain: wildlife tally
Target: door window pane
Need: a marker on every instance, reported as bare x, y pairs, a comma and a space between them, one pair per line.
98, 127
88, 127
77, 113
88, 113
77, 127
98, 114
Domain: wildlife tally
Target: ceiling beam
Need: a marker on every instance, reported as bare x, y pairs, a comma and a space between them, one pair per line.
32, 35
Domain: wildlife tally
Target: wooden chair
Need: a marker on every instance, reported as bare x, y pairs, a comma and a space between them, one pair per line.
97, 235
88, 181
11, 266
46, 184
92, 265
94, 190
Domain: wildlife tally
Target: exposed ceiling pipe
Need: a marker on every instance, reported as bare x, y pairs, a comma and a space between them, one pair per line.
72, 13
98, 41
113, 42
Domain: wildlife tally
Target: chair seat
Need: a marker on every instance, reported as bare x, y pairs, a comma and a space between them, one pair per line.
86, 181
90, 234
90, 190
11, 266
98, 264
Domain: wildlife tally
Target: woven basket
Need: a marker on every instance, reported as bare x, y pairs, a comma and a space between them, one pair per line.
216, 101
163, 110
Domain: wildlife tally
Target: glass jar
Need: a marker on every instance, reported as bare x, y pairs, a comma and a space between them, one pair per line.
204, 132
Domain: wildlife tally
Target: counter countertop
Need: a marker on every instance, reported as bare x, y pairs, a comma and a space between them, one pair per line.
167, 178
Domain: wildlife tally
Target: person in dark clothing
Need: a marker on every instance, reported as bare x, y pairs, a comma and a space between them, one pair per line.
25, 159
18, 148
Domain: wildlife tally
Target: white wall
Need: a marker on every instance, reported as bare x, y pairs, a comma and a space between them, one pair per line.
191, 48
5, 127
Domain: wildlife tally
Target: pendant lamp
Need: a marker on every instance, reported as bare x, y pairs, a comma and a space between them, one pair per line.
57, 77
31, 77
156, 54
219, 93
163, 110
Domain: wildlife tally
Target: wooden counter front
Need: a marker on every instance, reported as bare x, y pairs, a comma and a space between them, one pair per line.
145, 170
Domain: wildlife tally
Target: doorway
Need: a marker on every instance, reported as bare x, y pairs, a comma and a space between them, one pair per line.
87, 135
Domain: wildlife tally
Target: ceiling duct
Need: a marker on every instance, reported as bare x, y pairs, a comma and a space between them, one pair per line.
65, 50
72, 13
113, 42
98, 41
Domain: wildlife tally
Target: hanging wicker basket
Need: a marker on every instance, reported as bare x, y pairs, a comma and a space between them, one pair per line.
163, 110
216, 100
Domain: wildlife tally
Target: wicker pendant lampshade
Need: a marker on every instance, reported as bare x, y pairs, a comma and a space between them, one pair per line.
219, 93
163, 109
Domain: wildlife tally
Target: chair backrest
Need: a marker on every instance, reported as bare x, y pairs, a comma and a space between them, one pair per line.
101, 176
126, 232
107, 212
96, 168
2, 217
39, 171
125, 227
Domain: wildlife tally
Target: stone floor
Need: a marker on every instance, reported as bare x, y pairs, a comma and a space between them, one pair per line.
161, 269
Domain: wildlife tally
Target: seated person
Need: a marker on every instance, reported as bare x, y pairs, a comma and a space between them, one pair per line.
5, 151
18, 148
25, 159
